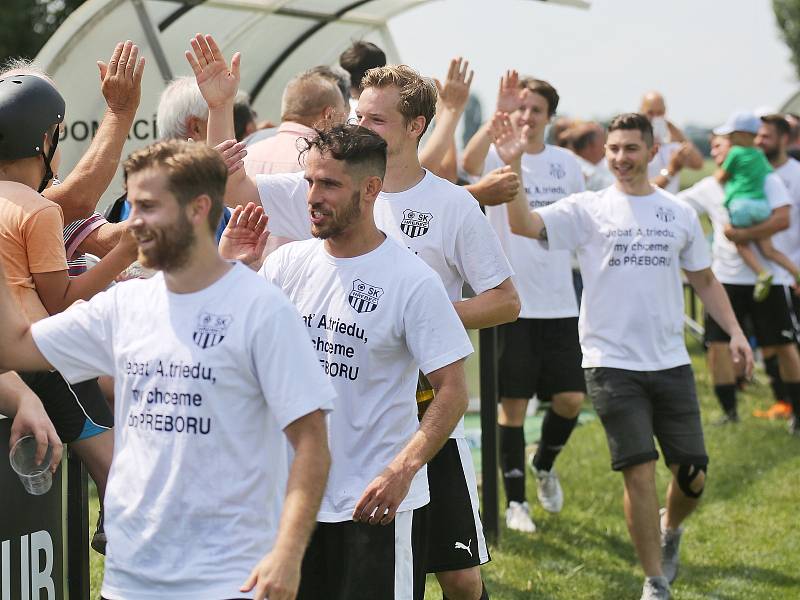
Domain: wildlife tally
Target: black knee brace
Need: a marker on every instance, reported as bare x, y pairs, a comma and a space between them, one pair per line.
686, 475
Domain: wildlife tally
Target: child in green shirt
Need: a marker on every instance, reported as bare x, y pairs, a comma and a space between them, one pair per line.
743, 174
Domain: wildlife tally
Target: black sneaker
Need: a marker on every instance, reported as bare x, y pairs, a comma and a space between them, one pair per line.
99, 538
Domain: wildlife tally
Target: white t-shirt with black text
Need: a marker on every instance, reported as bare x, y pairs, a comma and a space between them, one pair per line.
543, 279
375, 320
204, 384
631, 250
708, 196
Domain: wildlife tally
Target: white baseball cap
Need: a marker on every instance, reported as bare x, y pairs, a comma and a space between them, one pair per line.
739, 121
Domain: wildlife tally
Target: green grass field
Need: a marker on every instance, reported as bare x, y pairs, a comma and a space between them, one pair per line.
744, 542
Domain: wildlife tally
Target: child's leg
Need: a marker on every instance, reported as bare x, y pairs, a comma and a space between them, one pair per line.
749, 257
775, 255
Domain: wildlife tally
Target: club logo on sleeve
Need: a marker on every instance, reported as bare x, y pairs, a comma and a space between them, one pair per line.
666, 215
557, 171
211, 329
364, 297
415, 223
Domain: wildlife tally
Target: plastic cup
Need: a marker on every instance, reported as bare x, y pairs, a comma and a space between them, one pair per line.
35, 478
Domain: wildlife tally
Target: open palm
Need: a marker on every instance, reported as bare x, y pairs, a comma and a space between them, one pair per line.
245, 236
217, 81
507, 140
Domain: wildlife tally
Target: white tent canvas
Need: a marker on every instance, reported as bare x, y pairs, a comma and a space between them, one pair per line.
277, 38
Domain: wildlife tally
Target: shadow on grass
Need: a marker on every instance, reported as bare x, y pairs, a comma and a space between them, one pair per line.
703, 579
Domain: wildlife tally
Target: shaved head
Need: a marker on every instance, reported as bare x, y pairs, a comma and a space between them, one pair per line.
653, 105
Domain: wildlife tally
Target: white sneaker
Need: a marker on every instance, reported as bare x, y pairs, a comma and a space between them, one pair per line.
549, 491
518, 517
656, 588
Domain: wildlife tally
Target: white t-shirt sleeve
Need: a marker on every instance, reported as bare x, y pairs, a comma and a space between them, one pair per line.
694, 197
567, 223
78, 341
776, 192
272, 269
281, 347
480, 257
695, 255
284, 198
434, 333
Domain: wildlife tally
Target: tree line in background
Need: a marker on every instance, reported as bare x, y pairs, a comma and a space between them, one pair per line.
25, 25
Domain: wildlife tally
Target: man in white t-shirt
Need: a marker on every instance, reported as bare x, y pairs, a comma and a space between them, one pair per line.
376, 315
774, 138
443, 225
540, 353
674, 150
771, 319
632, 240
212, 374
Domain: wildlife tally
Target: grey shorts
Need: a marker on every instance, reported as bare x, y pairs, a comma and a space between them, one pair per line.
635, 406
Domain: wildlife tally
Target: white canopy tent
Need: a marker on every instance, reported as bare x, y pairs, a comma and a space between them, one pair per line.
277, 39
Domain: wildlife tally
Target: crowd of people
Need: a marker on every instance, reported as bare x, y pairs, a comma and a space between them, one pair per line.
233, 459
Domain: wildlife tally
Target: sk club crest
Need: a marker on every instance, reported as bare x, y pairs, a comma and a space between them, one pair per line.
665, 214
211, 329
415, 223
364, 297
557, 171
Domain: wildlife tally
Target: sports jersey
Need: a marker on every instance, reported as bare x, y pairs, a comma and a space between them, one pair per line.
543, 279
204, 384
375, 320
631, 250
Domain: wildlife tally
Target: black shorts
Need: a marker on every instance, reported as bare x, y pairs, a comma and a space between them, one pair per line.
454, 539
634, 406
773, 321
358, 561
78, 411
540, 357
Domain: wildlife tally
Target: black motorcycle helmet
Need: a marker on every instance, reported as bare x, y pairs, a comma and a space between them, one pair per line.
29, 107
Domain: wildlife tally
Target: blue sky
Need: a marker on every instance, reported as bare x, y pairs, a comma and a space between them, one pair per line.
708, 57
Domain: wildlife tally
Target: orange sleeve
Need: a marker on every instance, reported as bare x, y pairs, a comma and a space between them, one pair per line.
43, 233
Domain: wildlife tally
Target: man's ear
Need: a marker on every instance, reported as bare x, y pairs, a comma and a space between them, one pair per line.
652, 151
371, 187
416, 126
195, 131
197, 210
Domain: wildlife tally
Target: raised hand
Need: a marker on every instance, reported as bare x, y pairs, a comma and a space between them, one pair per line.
245, 236
508, 142
454, 92
217, 81
121, 78
233, 154
508, 96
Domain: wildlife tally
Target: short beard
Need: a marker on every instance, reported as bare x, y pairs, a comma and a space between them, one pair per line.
772, 154
173, 247
342, 221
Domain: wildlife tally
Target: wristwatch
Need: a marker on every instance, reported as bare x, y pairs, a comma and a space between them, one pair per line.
665, 173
